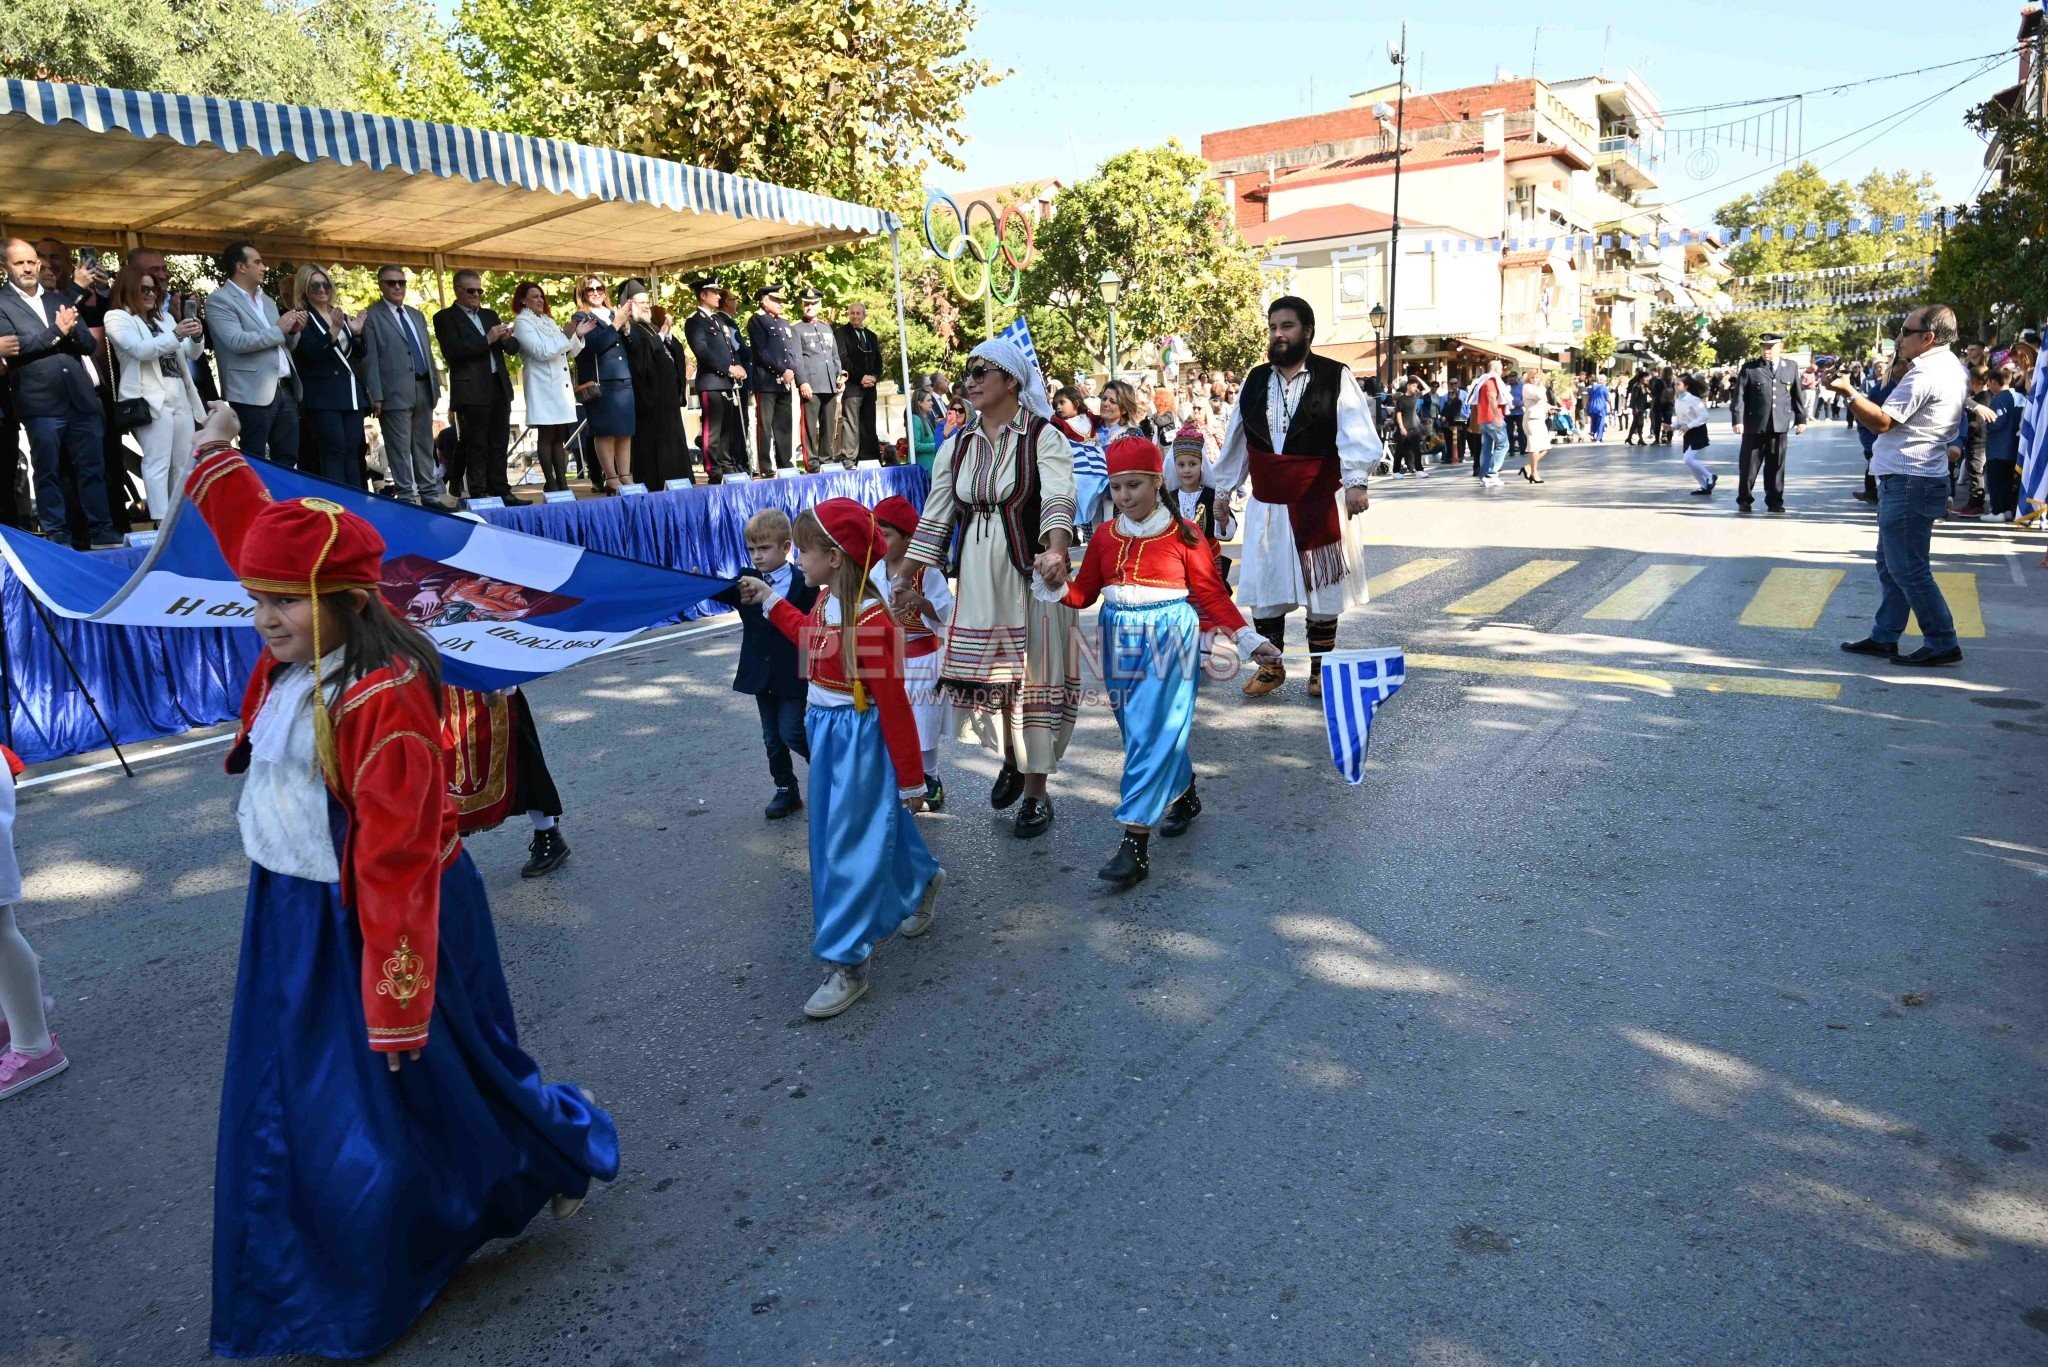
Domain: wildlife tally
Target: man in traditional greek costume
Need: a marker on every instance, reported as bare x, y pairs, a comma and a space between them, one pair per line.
1304, 434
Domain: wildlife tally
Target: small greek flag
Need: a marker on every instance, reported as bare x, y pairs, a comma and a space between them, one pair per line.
1019, 331
1355, 683
1091, 481
2034, 449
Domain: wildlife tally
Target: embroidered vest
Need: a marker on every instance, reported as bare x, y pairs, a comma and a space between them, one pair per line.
1020, 511
1313, 432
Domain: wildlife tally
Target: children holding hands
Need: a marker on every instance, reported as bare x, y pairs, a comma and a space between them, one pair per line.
871, 874
922, 614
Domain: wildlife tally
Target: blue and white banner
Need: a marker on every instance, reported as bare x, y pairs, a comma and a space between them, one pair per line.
1019, 331
1715, 236
1355, 683
504, 608
2034, 450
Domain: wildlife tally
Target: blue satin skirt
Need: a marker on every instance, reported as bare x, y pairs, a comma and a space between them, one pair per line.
1151, 660
869, 865
346, 1195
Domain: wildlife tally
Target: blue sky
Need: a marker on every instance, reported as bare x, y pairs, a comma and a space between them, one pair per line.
1091, 80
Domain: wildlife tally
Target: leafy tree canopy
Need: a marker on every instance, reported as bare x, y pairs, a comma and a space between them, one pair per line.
1803, 195
1994, 264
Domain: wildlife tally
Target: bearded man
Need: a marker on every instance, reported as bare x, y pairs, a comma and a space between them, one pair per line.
1304, 433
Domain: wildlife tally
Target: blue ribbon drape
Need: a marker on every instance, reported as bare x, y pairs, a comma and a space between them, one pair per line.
151, 682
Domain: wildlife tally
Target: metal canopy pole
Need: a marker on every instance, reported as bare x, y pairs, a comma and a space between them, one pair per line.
902, 333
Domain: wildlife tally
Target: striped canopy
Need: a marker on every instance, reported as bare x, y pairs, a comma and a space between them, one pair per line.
188, 173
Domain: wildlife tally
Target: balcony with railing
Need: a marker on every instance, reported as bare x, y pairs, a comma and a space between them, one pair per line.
1629, 162
1613, 280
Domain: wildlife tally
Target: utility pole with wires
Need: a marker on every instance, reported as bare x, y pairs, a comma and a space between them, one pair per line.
1397, 53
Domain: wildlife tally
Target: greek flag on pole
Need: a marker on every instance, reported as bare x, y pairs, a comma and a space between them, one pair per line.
1019, 331
1355, 683
1091, 473
503, 607
2034, 449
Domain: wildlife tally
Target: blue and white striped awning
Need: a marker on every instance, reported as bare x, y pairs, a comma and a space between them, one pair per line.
365, 185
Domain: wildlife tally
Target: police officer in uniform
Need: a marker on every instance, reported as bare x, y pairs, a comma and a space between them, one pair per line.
860, 358
1766, 407
774, 347
817, 380
719, 378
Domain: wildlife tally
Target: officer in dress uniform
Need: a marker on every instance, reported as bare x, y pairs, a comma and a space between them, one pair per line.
860, 357
1767, 407
720, 374
774, 365
817, 379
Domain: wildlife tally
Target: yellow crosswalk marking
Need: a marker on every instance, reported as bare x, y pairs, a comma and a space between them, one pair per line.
1960, 588
1492, 598
1644, 594
1662, 681
1791, 598
1401, 576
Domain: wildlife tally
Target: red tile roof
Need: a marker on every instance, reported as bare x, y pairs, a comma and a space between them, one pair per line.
1339, 125
1333, 220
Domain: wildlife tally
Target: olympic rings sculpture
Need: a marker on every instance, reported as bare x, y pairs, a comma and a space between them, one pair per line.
965, 246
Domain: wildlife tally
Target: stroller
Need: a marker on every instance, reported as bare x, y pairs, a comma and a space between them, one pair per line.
1561, 426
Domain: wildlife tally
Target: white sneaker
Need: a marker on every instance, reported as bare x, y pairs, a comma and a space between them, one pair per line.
919, 921
1423, 473
843, 986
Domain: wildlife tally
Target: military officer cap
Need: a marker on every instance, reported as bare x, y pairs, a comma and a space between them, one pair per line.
706, 285
1771, 338
810, 297
767, 292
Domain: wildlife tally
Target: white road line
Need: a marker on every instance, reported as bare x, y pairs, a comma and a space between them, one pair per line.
725, 622
2012, 567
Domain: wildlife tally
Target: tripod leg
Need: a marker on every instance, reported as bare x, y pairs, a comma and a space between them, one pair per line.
76, 678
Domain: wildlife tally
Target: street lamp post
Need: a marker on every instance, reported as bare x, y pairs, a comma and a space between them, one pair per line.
1378, 319
1398, 54
1111, 286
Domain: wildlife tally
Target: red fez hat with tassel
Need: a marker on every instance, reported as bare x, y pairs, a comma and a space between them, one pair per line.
897, 511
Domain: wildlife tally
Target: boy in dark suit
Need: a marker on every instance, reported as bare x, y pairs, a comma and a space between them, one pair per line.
769, 668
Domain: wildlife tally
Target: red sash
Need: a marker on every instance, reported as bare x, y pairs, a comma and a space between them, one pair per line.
1308, 486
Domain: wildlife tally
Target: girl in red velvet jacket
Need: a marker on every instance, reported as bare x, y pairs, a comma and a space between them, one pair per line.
1157, 578
871, 875
379, 1121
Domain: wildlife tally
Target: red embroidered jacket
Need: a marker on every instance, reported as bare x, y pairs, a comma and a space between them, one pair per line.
1163, 561
394, 789
878, 660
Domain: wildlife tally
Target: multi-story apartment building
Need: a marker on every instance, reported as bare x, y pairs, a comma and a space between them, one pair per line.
1520, 160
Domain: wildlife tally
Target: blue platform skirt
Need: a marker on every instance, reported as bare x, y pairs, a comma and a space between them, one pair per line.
869, 865
346, 1195
1151, 660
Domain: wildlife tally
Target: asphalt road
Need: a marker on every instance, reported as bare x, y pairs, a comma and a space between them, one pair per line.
1616, 1017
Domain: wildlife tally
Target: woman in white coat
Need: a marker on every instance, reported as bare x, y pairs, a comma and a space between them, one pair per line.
545, 348
154, 357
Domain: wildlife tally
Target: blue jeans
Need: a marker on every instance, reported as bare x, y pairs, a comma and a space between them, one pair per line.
782, 731
1908, 506
1493, 447
80, 437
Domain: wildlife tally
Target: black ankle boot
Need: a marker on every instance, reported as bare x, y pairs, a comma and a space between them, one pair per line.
1181, 814
1131, 862
547, 852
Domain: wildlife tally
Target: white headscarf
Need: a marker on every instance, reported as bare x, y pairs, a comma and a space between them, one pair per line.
1010, 358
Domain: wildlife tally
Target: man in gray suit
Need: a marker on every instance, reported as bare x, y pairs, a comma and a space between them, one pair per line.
399, 379
252, 348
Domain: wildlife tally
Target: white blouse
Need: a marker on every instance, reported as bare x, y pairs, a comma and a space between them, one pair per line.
283, 809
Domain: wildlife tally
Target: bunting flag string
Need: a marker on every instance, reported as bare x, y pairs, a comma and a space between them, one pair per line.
1907, 263
1807, 301
1716, 236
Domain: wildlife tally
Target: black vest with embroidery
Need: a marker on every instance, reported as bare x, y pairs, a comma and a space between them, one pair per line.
1313, 430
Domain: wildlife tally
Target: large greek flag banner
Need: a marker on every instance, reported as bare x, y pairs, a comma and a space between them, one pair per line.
505, 608
2034, 450
1355, 683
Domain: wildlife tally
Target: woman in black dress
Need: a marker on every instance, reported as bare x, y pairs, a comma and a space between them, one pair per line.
660, 450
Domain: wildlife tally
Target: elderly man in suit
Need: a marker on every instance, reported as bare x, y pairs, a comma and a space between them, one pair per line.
720, 377
47, 350
400, 383
860, 358
252, 347
1766, 406
475, 345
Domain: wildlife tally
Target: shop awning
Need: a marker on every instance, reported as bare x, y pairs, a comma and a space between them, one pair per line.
1512, 355
127, 168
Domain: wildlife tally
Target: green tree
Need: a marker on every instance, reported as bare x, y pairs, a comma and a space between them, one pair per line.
1675, 335
1598, 349
1153, 217
1802, 195
851, 98
1994, 264
384, 56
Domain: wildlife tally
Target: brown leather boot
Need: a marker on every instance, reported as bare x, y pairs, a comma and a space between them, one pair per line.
1268, 677
1322, 639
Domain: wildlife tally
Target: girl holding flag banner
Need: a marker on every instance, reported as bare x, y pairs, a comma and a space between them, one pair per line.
379, 1121
1157, 575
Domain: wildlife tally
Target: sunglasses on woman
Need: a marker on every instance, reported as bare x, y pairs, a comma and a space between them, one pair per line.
978, 371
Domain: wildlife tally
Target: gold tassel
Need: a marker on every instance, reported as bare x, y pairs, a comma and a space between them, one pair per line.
325, 750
